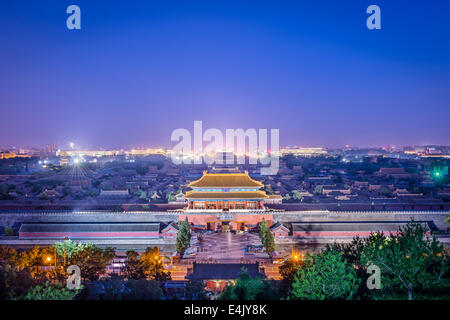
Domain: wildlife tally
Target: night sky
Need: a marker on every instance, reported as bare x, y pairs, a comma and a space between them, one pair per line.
137, 70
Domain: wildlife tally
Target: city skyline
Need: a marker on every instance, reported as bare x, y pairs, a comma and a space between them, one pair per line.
136, 72
79, 148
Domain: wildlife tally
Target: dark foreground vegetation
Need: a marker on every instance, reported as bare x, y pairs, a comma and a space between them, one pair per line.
410, 264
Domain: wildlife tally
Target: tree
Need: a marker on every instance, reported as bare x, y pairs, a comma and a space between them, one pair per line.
269, 243
318, 190
326, 275
49, 292
132, 268
152, 265
409, 260
8, 232
143, 290
195, 290
247, 288
32, 260
269, 189
266, 237
8, 256
92, 261
170, 196
263, 230
289, 268
68, 248
296, 195
352, 253
105, 290
183, 237
142, 195
287, 271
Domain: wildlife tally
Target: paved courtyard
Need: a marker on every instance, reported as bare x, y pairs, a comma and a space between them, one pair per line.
224, 246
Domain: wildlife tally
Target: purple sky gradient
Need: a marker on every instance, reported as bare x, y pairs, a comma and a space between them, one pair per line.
138, 70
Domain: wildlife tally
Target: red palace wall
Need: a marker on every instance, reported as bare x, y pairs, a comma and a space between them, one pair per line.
313, 234
89, 234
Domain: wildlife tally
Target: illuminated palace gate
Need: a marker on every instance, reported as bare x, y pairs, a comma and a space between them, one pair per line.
226, 222
225, 201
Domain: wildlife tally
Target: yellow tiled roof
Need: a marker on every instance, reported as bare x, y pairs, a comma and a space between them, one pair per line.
223, 180
226, 195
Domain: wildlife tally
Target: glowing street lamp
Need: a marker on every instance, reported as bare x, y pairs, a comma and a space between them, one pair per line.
296, 256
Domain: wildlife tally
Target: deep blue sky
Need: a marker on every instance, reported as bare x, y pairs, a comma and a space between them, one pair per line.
139, 69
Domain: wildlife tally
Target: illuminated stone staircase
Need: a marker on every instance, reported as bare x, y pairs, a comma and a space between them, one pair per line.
271, 271
180, 271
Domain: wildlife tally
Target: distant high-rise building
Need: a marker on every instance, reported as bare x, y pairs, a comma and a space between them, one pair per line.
51, 148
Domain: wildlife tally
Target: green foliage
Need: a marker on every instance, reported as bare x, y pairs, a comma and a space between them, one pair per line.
32, 260
195, 290
269, 189
326, 275
49, 292
9, 232
351, 251
142, 195
408, 260
68, 248
8, 255
132, 268
263, 230
269, 242
183, 237
266, 237
296, 195
318, 190
289, 268
14, 283
170, 197
92, 261
152, 265
247, 288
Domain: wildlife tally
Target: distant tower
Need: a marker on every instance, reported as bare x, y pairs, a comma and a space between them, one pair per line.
51, 148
